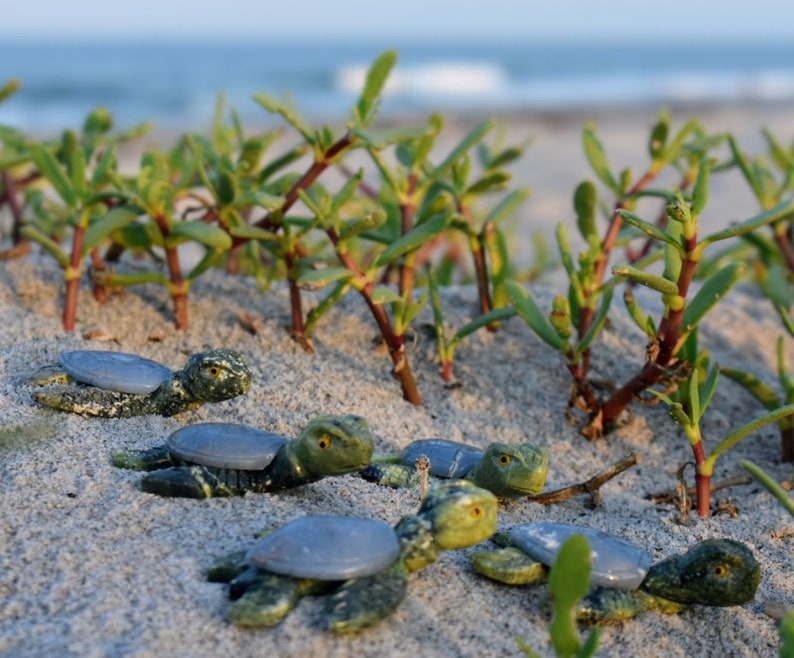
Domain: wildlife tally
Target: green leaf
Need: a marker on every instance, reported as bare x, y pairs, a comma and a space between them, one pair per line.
585, 203
360, 225
207, 234
48, 244
635, 312
507, 206
226, 188
705, 392
210, 257
598, 159
373, 86
658, 138
746, 430
249, 232
9, 88
381, 138
106, 166
315, 279
709, 294
385, 295
290, 116
788, 504
463, 147
528, 310
415, 238
650, 230
496, 315
598, 321
761, 391
569, 581
48, 166
782, 158
700, 193
495, 181
506, 156
654, 281
77, 172
115, 219
744, 166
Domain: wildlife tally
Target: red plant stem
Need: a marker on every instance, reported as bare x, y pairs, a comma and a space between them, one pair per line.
702, 482
72, 278
669, 334
297, 327
787, 444
178, 285
395, 343
100, 290
10, 196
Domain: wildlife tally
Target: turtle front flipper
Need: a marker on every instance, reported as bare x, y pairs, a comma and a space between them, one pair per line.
92, 401
363, 602
398, 476
185, 482
266, 598
603, 605
143, 460
508, 565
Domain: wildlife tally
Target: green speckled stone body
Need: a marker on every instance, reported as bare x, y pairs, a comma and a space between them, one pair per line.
225, 459
455, 514
213, 376
714, 572
506, 470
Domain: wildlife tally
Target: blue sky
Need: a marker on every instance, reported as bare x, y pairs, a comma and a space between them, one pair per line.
733, 19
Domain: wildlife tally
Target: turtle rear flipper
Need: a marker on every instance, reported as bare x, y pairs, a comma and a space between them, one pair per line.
603, 605
185, 482
508, 565
92, 401
153, 459
362, 602
398, 476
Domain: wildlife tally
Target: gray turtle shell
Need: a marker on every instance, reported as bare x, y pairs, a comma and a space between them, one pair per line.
327, 547
448, 459
225, 445
615, 563
115, 371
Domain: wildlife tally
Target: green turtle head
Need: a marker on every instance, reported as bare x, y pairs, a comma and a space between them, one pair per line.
719, 572
333, 445
460, 513
217, 375
512, 470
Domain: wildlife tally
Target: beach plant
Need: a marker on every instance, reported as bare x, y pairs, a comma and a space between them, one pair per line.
576, 320
569, 582
692, 399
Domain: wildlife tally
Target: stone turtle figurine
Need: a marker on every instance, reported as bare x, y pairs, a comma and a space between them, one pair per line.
508, 471
226, 459
714, 572
364, 563
119, 385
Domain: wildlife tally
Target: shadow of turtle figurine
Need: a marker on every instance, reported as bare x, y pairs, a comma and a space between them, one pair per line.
507, 470
364, 563
714, 572
115, 384
226, 459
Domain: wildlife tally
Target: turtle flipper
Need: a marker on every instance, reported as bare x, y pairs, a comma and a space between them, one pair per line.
604, 605
92, 401
262, 599
398, 476
508, 565
227, 568
185, 482
362, 602
143, 460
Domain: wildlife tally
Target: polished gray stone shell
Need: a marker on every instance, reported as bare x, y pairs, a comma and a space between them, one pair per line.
448, 459
225, 445
327, 547
615, 563
115, 371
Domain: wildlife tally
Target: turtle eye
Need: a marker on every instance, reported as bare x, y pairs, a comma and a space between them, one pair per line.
324, 442
214, 371
720, 570
504, 459
476, 512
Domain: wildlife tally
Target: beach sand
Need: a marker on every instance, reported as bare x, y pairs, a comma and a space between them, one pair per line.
91, 566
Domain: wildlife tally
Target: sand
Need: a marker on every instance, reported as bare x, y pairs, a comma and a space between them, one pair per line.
92, 566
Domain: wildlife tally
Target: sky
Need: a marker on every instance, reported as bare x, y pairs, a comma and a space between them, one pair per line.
447, 19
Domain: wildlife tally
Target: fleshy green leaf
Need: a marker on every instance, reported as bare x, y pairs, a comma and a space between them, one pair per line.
528, 310
788, 504
585, 202
290, 116
115, 219
654, 281
598, 321
385, 295
709, 294
650, 230
761, 391
315, 279
49, 245
507, 206
47, 164
469, 141
376, 79
598, 160
415, 238
207, 234
9, 88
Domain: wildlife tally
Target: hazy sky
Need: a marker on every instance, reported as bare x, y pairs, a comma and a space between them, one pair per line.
740, 19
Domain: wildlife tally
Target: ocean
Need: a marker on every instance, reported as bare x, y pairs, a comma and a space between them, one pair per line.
176, 83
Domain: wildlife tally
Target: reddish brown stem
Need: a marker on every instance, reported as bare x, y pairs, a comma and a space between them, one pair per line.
100, 290
72, 278
702, 482
787, 444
